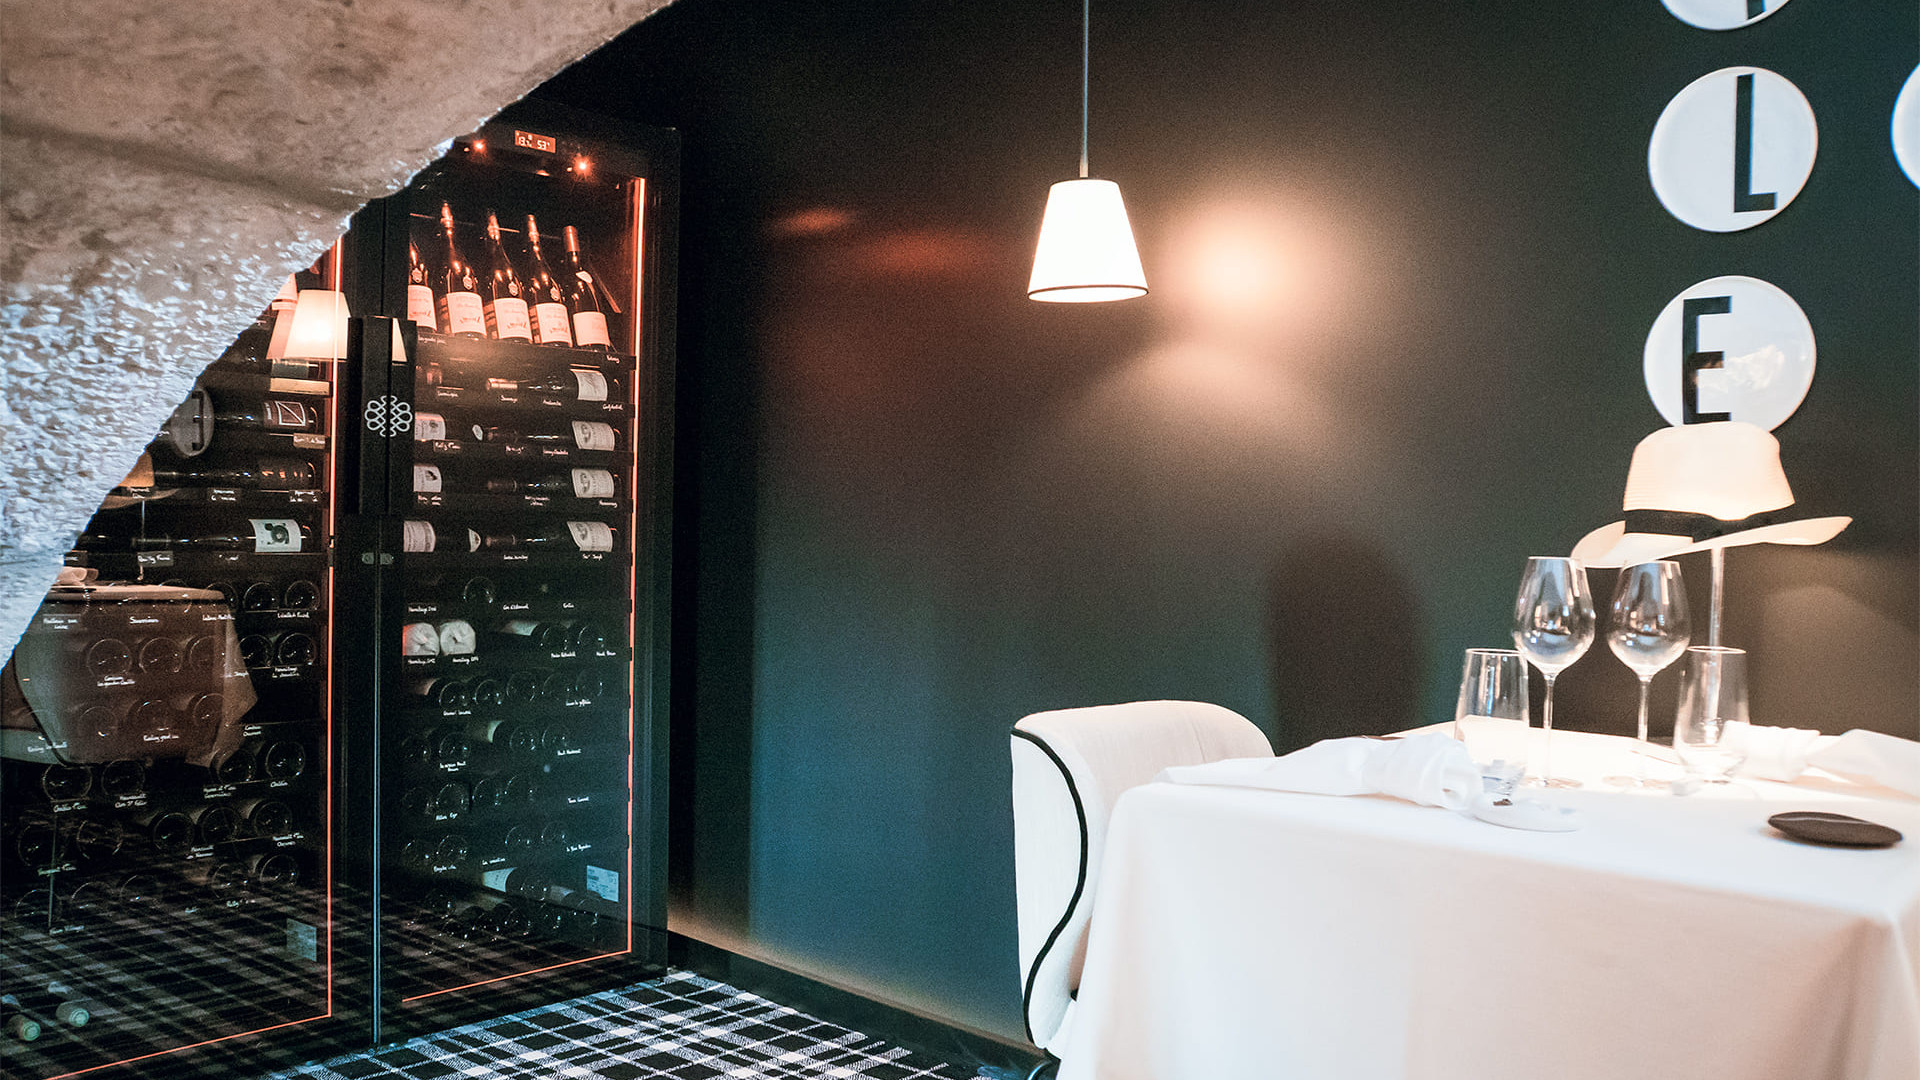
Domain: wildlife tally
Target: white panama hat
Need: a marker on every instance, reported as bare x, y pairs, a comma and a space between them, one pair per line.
1702, 486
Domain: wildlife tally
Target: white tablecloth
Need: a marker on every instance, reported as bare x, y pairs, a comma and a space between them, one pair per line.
1261, 934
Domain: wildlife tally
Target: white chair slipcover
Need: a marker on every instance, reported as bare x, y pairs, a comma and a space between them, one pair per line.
1069, 766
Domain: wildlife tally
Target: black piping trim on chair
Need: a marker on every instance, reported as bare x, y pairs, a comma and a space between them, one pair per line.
1079, 885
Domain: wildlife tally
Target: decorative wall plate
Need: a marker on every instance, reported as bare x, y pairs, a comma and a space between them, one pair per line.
1722, 14
1732, 149
1729, 348
1906, 127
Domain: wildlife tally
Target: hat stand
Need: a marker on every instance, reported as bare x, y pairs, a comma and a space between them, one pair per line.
1719, 556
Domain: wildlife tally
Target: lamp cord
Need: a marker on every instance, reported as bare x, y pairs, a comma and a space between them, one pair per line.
1086, 21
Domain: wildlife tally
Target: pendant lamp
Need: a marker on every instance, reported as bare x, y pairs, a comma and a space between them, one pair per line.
1086, 252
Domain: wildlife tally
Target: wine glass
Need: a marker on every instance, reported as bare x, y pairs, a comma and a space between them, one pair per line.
1648, 628
1552, 627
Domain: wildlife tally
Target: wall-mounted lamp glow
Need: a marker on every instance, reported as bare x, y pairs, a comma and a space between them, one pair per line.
319, 326
1086, 252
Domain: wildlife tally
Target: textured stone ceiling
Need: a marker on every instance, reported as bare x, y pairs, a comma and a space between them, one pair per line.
164, 164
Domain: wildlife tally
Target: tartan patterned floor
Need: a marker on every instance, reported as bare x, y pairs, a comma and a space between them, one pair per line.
679, 1027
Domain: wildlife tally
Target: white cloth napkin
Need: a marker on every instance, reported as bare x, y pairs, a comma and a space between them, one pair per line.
1430, 769
1772, 753
1885, 759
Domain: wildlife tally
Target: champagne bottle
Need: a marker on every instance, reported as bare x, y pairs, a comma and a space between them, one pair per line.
461, 311
551, 320
419, 293
589, 322
502, 292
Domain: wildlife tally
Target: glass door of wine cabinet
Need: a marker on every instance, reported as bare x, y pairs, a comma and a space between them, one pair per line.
518, 662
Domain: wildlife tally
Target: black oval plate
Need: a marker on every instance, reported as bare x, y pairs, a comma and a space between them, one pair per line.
1838, 830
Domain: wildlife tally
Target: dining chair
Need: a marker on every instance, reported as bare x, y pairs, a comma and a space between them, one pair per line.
1069, 767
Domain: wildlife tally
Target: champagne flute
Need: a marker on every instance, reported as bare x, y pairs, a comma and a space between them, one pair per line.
1552, 627
1649, 627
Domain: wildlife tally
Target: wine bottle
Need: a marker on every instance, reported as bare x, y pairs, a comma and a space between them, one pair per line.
235, 768
437, 802
62, 783
445, 692
170, 831
270, 414
265, 817
542, 636
272, 870
502, 292
295, 650
206, 710
267, 536
589, 322
580, 483
223, 877
300, 595
551, 319
123, 778
489, 693
284, 760
259, 596
266, 474
512, 737
574, 535
214, 823
37, 843
419, 293
97, 841
461, 311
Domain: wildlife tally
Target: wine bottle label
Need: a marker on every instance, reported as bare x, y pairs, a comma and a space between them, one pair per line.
550, 324
591, 535
286, 415
429, 427
417, 536
275, 535
419, 639
473, 540
426, 478
420, 306
522, 627
507, 318
593, 435
456, 637
590, 328
496, 879
593, 483
593, 384
462, 313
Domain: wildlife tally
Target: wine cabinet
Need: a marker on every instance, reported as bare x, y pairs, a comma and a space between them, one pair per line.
346, 721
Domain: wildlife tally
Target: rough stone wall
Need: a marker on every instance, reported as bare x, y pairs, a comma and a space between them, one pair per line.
165, 163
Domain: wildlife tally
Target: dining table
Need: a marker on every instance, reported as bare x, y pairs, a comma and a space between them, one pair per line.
1261, 934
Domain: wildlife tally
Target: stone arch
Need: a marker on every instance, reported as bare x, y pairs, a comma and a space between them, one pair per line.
164, 164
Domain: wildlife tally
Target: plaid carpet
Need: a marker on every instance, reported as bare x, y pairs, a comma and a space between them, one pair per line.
681, 1027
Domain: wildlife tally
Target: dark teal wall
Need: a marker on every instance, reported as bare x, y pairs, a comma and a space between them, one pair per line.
1404, 257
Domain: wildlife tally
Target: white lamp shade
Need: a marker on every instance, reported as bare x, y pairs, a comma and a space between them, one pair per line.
1086, 253
319, 326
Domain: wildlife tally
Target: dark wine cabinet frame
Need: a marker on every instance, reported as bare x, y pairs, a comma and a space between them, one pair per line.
380, 365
